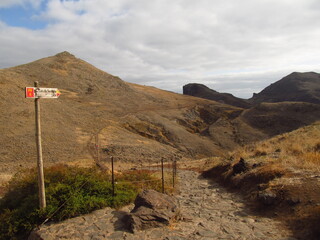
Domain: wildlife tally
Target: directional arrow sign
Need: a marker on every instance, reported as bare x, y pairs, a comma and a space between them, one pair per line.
34, 92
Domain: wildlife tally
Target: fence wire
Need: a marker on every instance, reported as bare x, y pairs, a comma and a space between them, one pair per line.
162, 168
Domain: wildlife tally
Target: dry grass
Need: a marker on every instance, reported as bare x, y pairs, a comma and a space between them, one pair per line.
299, 149
287, 166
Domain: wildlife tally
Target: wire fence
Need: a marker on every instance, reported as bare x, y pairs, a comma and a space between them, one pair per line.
164, 172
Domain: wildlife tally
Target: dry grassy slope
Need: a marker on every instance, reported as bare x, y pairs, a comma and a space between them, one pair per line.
280, 179
261, 122
135, 123
276, 118
281, 175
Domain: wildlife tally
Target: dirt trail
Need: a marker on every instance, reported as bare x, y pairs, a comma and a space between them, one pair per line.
208, 210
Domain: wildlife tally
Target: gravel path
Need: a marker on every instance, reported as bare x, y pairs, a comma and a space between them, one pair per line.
209, 212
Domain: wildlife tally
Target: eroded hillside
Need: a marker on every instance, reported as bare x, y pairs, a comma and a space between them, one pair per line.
132, 122
135, 124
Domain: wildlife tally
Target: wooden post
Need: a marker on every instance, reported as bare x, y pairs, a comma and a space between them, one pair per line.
98, 147
162, 175
112, 176
42, 195
175, 168
173, 173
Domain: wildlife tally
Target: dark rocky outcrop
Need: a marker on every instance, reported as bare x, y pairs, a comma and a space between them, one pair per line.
296, 87
152, 209
240, 167
202, 91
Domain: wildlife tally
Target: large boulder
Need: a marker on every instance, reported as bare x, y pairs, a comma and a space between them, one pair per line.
152, 209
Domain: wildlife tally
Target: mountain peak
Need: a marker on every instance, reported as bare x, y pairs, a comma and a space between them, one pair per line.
297, 86
65, 54
193, 89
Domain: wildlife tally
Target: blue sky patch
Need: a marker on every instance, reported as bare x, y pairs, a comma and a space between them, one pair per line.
22, 16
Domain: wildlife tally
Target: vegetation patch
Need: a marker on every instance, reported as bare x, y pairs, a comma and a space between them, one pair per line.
70, 192
299, 149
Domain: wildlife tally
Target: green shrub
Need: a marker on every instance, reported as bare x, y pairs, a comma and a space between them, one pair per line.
70, 192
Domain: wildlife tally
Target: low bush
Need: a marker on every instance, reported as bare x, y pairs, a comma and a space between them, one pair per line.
70, 192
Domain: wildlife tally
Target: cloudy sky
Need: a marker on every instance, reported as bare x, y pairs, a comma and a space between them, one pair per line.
229, 45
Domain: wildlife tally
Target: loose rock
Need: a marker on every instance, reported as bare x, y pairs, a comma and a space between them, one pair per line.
152, 209
267, 197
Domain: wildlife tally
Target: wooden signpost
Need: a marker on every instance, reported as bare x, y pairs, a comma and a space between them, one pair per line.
37, 93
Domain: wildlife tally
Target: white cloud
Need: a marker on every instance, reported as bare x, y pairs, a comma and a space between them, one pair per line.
223, 44
10, 3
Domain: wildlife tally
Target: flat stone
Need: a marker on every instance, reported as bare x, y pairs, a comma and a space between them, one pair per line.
250, 220
288, 238
74, 235
100, 213
91, 228
175, 238
206, 233
260, 235
103, 227
116, 235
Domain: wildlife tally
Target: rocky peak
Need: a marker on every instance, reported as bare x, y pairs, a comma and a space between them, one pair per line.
64, 54
298, 87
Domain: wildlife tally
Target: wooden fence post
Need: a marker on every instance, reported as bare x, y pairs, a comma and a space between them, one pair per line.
174, 172
112, 176
162, 175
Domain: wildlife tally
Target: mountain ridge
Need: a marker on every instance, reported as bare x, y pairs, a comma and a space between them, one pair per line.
202, 91
296, 87
134, 123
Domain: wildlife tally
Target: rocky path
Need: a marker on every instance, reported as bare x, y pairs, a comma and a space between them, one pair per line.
209, 212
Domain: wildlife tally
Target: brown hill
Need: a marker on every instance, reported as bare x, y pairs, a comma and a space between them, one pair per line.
297, 87
278, 118
202, 91
133, 123
261, 122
